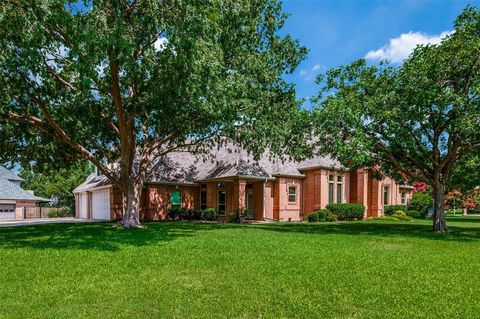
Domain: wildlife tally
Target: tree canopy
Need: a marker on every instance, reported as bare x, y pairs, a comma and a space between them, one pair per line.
60, 182
128, 81
414, 121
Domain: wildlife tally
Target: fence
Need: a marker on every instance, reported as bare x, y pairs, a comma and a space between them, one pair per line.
34, 212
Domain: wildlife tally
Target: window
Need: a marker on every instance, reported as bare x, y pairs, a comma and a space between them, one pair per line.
331, 185
7, 208
221, 199
339, 188
404, 198
386, 195
203, 196
292, 194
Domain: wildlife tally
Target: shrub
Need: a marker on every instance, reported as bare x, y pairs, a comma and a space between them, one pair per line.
416, 214
391, 209
322, 214
237, 217
175, 213
473, 211
347, 211
331, 217
400, 215
313, 217
421, 202
209, 214
60, 212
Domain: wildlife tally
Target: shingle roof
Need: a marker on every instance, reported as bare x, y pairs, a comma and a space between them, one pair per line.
92, 181
11, 191
9, 175
224, 162
318, 161
185, 167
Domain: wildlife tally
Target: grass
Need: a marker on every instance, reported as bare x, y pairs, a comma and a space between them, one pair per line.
374, 269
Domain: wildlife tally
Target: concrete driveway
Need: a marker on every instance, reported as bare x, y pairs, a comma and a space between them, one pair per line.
28, 222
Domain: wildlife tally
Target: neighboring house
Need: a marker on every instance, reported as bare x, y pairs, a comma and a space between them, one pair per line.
14, 199
268, 189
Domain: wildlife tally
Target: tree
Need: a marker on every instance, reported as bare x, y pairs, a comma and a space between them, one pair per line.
122, 83
414, 121
466, 174
59, 182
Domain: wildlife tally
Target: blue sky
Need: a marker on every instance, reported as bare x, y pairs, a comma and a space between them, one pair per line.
339, 32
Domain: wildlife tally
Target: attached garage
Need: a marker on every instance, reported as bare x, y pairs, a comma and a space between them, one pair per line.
101, 204
7, 211
82, 199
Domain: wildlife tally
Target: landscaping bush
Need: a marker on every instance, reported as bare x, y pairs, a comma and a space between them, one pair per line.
60, 212
400, 215
421, 202
331, 217
347, 211
416, 214
210, 214
473, 211
391, 209
313, 217
179, 213
237, 217
322, 214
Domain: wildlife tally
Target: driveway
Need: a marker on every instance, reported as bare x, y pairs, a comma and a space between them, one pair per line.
28, 222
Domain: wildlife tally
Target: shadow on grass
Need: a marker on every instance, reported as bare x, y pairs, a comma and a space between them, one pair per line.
380, 229
97, 236
104, 237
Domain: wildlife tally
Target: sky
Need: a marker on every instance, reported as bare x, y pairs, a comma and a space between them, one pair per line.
338, 32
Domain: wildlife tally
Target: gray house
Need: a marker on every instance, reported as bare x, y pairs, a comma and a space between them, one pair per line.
13, 199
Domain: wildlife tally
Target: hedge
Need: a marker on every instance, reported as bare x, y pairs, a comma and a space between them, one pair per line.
391, 209
178, 213
347, 211
416, 214
313, 217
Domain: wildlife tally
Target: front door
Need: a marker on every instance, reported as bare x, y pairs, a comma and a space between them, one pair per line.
249, 204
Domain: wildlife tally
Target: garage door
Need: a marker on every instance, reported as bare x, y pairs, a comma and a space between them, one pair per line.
101, 205
83, 205
7, 211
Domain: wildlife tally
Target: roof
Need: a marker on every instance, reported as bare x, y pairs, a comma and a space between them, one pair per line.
9, 175
225, 162
320, 162
11, 191
92, 181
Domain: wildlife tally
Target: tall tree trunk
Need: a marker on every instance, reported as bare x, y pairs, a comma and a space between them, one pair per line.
439, 223
132, 203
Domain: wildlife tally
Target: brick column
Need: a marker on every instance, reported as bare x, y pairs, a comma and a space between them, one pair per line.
238, 194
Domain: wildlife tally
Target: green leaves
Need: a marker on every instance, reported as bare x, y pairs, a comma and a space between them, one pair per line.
415, 120
217, 73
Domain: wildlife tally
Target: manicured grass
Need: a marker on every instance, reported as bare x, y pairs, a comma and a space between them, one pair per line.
374, 269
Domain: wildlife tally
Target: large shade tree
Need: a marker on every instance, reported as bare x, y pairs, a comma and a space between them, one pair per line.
128, 81
413, 122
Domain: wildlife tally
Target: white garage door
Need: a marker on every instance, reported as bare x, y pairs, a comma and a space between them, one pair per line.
7, 211
101, 205
83, 205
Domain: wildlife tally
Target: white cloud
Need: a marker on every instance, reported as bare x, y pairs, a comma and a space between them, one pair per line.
398, 49
310, 74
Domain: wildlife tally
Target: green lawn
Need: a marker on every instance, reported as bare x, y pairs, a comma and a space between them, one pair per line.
343, 270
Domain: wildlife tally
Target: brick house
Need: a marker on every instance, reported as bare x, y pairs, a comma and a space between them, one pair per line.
13, 198
230, 179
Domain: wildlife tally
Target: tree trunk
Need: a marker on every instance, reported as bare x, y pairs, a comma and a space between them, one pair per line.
132, 203
439, 223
